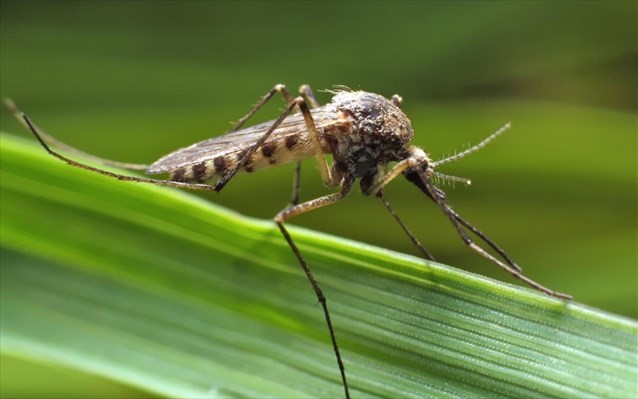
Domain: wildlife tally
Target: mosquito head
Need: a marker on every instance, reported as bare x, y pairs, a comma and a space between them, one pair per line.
420, 168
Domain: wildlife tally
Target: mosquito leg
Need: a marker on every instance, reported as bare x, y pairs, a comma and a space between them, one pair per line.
413, 238
308, 94
414, 177
297, 102
312, 132
476, 231
278, 88
297, 210
326, 175
57, 143
296, 185
169, 183
486, 239
440, 200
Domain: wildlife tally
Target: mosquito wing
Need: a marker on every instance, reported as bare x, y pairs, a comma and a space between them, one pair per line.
289, 142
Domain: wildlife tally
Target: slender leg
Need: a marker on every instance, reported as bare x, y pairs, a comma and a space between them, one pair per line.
308, 94
170, 183
228, 175
106, 162
414, 177
310, 125
486, 239
278, 88
326, 175
453, 216
297, 210
413, 238
296, 185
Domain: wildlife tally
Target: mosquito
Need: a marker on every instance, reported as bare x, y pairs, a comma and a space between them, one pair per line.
368, 137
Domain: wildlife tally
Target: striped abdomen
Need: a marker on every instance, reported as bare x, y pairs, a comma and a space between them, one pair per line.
276, 152
211, 158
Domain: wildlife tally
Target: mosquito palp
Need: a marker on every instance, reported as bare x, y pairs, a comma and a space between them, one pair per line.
368, 137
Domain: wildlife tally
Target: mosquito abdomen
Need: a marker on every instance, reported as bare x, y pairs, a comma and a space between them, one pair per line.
272, 153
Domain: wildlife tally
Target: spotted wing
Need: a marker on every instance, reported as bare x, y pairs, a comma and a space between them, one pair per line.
229, 146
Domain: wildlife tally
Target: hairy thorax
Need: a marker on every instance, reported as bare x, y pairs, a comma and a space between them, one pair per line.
372, 132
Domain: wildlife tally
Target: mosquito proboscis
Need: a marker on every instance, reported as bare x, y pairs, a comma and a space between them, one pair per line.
368, 137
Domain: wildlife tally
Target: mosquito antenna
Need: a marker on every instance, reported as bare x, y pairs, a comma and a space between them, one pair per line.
470, 150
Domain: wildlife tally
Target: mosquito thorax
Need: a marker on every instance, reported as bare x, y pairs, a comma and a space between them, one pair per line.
379, 132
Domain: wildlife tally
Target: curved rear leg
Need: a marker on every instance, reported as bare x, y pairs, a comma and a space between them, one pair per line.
11, 106
157, 182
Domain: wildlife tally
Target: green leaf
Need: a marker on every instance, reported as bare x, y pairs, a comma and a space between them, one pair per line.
165, 291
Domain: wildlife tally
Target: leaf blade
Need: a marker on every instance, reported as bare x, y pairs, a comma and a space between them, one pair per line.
187, 299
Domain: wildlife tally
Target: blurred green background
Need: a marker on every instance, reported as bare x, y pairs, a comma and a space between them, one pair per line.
132, 81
